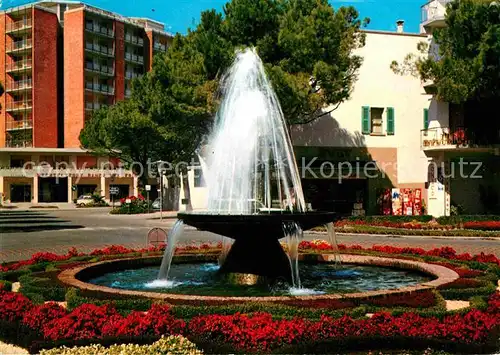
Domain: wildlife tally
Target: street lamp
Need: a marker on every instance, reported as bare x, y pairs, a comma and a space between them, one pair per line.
160, 171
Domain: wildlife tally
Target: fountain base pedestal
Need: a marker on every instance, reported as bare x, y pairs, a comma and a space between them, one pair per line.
259, 256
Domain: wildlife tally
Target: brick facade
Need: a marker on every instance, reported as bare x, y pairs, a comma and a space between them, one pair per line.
74, 81
45, 76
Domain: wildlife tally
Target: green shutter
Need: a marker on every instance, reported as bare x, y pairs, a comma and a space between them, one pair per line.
365, 120
390, 121
426, 118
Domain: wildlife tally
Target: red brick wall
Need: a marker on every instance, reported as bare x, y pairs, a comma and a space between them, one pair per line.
119, 61
149, 46
2, 80
74, 89
45, 105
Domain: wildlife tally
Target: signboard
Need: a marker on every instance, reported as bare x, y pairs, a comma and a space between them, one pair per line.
397, 205
157, 236
148, 187
114, 190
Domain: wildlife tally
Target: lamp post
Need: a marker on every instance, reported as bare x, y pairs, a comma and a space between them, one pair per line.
159, 163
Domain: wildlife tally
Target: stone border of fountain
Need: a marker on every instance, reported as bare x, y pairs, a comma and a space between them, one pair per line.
73, 278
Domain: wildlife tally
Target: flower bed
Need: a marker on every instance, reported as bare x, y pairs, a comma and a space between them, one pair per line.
258, 332
425, 225
413, 320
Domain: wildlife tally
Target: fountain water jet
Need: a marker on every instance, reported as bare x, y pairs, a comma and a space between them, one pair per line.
251, 166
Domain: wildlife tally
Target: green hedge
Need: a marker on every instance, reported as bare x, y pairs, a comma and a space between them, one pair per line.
453, 220
366, 229
44, 287
466, 293
395, 219
74, 300
14, 275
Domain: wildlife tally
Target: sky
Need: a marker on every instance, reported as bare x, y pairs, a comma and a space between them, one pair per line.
179, 15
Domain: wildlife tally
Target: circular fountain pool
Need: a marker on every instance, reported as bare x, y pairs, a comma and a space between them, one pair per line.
320, 278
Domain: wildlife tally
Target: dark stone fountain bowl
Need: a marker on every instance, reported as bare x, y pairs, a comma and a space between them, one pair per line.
256, 250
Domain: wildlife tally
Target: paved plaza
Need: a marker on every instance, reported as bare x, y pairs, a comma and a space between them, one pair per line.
87, 229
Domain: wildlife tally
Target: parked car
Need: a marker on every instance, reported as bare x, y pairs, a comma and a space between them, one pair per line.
84, 200
156, 204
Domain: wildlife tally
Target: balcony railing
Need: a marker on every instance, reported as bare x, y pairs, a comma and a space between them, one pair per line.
160, 46
20, 45
131, 57
434, 10
90, 106
134, 39
132, 75
61, 171
18, 125
105, 89
18, 144
101, 69
20, 65
102, 30
19, 25
19, 85
108, 51
19, 105
460, 137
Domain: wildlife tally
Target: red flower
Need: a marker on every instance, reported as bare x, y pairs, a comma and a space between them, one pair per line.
39, 316
13, 306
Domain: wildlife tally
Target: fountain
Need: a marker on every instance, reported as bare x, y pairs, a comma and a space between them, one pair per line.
252, 165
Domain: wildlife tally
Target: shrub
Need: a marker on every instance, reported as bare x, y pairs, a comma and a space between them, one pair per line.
39, 316
482, 225
166, 345
13, 305
44, 287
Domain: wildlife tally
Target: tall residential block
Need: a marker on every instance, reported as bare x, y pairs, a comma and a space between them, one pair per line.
28, 72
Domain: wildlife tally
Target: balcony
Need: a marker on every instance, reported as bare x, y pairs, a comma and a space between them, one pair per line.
92, 106
131, 75
19, 26
160, 46
433, 14
99, 69
100, 88
20, 46
135, 40
98, 29
19, 105
20, 65
19, 85
102, 50
446, 138
61, 171
18, 144
13, 125
134, 58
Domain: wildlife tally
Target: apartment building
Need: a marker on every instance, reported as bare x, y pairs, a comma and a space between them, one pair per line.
60, 61
464, 153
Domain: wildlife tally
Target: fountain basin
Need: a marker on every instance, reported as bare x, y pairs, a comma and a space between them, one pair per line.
79, 277
256, 250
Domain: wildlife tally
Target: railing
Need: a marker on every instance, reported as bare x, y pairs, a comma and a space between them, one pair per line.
102, 69
160, 46
18, 125
434, 10
106, 89
20, 45
20, 65
134, 39
459, 137
17, 144
99, 49
19, 105
102, 30
131, 75
19, 25
134, 57
19, 85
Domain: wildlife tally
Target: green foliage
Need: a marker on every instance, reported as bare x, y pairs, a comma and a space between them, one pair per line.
40, 286
14, 275
465, 66
465, 294
73, 299
134, 207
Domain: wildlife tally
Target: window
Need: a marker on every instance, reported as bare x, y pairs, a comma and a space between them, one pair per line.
199, 181
376, 119
426, 118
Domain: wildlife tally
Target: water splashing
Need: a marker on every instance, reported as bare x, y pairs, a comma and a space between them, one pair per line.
332, 238
252, 155
171, 241
294, 236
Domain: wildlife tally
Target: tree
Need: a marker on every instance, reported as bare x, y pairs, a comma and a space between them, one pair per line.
466, 66
306, 45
